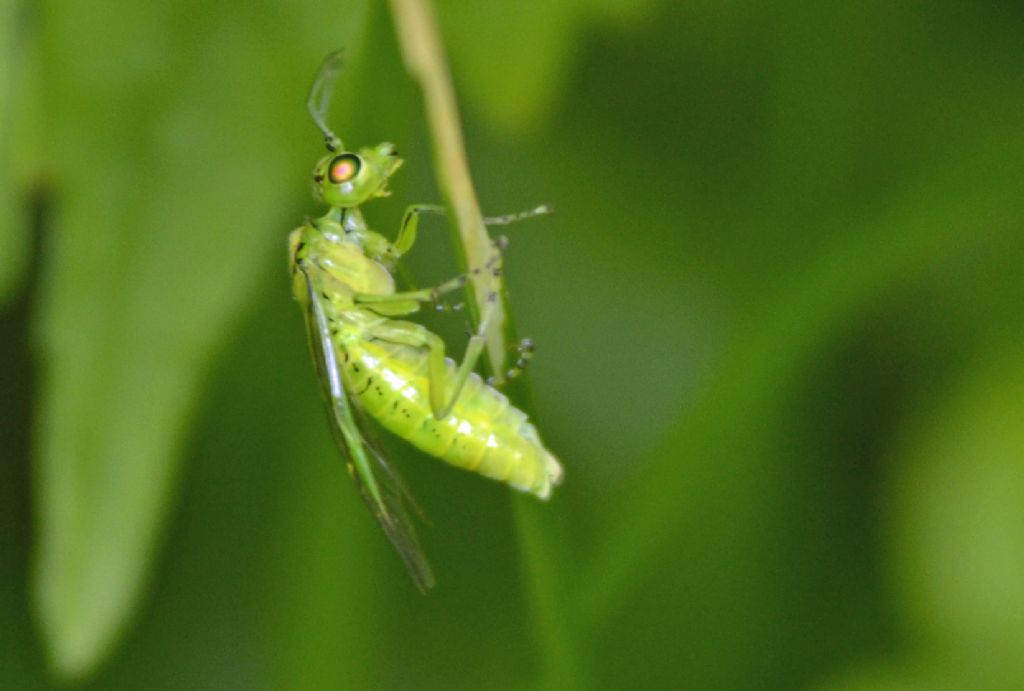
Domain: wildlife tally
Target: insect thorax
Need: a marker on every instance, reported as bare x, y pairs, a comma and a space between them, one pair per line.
339, 265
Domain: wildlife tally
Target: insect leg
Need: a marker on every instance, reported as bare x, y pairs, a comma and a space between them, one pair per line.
418, 336
428, 294
474, 349
506, 219
422, 295
434, 294
447, 307
410, 221
524, 350
443, 391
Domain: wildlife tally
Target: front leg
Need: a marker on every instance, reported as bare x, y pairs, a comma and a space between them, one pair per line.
411, 219
410, 223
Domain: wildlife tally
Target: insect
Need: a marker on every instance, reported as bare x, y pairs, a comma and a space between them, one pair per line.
375, 367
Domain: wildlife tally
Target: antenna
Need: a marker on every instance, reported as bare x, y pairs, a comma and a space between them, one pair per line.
320, 97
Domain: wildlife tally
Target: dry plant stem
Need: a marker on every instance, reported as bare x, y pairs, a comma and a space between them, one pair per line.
418, 37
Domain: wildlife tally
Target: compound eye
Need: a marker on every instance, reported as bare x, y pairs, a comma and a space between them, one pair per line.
343, 168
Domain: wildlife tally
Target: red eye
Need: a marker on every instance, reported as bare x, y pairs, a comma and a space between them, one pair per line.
343, 168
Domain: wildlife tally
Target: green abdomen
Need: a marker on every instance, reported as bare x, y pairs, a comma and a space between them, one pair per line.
483, 433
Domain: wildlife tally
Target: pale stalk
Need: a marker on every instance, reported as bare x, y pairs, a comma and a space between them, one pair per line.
424, 57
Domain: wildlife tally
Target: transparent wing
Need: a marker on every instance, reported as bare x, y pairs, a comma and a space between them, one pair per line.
385, 493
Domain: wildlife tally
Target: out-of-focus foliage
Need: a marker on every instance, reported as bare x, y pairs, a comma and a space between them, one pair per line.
13, 229
779, 316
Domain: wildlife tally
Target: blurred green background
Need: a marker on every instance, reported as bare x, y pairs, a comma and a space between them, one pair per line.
780, 318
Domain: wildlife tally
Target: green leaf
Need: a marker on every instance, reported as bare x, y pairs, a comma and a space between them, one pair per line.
173, 172
514, 60
958, 505
13, 221
931, 223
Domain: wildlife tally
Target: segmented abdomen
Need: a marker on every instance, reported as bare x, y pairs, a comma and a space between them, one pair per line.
483, 433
